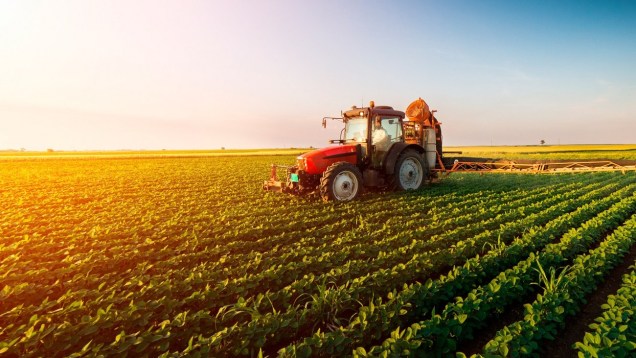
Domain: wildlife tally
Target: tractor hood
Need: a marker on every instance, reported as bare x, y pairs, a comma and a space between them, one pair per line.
317, 161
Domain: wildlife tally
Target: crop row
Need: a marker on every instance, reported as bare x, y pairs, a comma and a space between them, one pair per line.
58, 267
372, 251
563, 295
441, 333
614, 332
336, 299
300, 253
184, 260
378, 318
133, 309
336, 304
103, 282
168, 286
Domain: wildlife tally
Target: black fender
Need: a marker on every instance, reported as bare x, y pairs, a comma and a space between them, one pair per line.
394, 152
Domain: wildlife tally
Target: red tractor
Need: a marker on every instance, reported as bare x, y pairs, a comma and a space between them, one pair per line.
378, 148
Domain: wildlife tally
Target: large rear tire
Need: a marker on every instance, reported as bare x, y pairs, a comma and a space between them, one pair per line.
341, 181
410, 171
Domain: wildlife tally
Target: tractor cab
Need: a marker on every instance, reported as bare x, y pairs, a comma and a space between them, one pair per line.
375, 129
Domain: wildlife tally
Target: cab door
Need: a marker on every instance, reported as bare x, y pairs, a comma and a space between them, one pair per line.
383, 137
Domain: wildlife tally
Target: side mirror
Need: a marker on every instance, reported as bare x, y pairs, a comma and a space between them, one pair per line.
324, 123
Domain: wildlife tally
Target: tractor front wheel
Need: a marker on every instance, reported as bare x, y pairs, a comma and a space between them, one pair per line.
410, 171
341, 181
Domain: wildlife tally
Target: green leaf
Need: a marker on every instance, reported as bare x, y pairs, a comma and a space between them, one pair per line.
503, 349
361, 352
121, 335
303, 351
88, 330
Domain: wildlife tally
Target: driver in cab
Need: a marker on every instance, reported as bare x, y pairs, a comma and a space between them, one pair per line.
380, 139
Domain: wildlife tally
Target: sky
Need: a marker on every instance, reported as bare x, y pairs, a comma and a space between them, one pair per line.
109, 75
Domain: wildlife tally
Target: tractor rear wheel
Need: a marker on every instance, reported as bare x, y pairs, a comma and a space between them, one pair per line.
409, 173
341, 181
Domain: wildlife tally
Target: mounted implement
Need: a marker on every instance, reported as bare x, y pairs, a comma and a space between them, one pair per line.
556, 167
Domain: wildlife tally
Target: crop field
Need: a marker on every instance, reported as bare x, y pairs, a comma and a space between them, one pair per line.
183, 255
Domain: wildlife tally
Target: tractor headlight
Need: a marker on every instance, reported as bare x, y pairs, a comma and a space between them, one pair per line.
308, 163
302, 163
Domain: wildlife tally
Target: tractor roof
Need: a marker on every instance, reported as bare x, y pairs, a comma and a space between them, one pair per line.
377, 110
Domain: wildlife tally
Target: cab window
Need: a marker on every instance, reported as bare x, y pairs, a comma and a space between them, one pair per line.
393, 128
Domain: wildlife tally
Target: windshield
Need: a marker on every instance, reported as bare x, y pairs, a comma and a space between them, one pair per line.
356, 129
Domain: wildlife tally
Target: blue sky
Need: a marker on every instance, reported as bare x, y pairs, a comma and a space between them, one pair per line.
253, 74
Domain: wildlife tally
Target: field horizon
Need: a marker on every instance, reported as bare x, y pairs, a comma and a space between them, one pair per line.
466, 150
